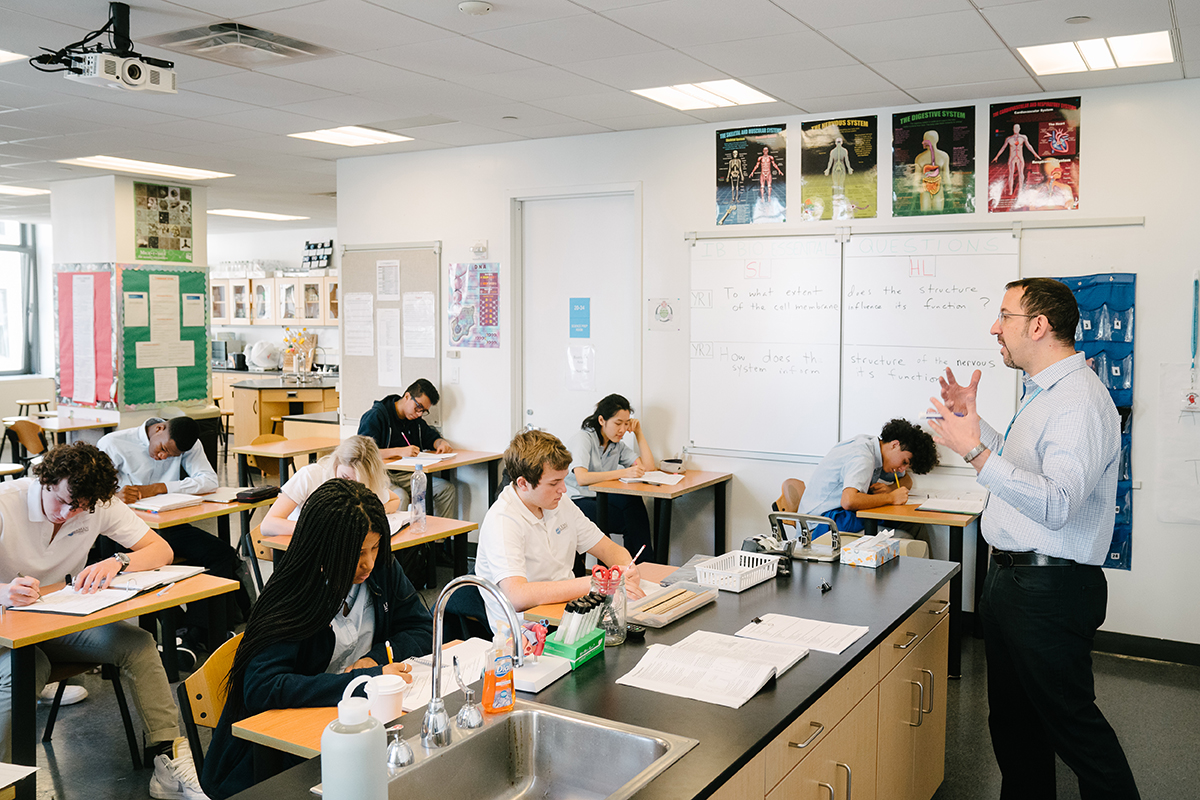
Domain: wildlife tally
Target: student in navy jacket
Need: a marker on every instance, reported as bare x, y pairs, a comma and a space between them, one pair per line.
321, 621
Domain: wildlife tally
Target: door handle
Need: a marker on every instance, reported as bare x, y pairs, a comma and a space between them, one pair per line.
912, 638
819, 728
847, 768
930, 709
944, 609
920, 705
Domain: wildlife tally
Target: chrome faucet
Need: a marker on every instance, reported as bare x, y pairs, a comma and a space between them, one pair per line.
435, 731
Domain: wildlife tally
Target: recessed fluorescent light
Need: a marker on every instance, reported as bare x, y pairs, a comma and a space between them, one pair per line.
22, 191
1096, 54
6, 56
1142, 49
146, 168
1054, 59
352, 136
709, 94
237, 212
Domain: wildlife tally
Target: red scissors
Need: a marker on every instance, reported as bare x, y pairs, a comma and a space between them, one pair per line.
606, 577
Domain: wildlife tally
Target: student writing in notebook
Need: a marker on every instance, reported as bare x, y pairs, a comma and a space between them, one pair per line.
161, 456
323, 619
355, 459
598, 454
532, 533
397, 424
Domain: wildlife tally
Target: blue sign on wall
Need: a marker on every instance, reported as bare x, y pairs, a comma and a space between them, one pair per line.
581, 318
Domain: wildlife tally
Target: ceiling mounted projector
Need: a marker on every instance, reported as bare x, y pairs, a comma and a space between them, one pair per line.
134, 73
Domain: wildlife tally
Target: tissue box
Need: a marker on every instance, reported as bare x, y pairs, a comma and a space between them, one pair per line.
870, 554
583, 648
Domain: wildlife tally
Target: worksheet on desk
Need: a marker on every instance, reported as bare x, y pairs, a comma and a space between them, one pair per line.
828, 637
472, 656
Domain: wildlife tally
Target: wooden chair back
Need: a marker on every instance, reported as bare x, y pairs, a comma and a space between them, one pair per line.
202, 696
30, 435
269, 467
260, 552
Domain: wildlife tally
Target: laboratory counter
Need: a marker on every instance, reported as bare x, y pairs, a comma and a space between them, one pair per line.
861, 706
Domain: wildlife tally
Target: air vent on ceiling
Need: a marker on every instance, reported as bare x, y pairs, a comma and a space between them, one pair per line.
238, 45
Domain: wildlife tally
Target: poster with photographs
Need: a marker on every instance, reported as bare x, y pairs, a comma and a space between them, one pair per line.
1033, 156
752, 175
839, 169
933, 162
162, 222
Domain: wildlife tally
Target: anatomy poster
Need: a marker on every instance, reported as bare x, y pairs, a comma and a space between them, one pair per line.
1033, 155
752, 175
475, 304
933, 162
839, 168
162, 222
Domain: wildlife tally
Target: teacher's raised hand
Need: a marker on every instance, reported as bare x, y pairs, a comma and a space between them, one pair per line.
959, 399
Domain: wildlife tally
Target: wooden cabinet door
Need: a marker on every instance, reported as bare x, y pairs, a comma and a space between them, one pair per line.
899, 713
929, 758
842, 767
747, 784
262, 303
311, 293
218, 302
332, 299
287, 308
239, 301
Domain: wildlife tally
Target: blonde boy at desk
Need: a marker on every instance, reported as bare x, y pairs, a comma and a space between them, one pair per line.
532, 533
47, 525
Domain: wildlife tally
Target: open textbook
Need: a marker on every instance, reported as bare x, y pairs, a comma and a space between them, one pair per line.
126, 585
167, 502
828, 637
951, 502
712, 667
656, 477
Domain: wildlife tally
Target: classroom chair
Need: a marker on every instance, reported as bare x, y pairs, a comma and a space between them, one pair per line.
252, 552
28, 441
110, 672
23, 406
202, 696
267, 467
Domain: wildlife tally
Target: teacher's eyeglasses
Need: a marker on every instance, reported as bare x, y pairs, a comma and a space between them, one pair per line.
1003, 315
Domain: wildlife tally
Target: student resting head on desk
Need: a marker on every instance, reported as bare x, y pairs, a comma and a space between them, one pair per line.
397, 424
531, 534
868, 472
47, 525
599, 455
323, 619
355, 459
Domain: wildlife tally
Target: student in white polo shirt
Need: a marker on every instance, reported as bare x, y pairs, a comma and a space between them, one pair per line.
532, 533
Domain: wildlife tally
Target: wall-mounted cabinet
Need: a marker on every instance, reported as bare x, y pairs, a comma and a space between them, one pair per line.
239, 301
288, 310
331, 300
309, 300
262, 304
218, 302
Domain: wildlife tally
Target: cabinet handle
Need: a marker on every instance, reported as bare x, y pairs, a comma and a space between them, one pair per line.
256, 406
291, 394
827, 786
920, 705
847, 768
819, 728
945, 608
912, 639
930, 709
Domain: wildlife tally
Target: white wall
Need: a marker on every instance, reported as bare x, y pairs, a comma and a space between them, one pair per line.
463, 196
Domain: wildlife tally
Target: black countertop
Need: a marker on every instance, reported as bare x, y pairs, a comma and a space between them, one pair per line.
879, 598
319, 417
280, 382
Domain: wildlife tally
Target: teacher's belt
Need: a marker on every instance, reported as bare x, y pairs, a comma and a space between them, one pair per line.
1006, 558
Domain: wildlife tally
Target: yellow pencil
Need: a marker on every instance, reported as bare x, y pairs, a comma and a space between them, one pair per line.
389, 652
897, 477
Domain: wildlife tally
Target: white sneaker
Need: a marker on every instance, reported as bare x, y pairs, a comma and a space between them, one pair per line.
71, 695
175, 778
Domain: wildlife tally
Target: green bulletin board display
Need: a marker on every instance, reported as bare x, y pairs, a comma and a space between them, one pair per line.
149, 317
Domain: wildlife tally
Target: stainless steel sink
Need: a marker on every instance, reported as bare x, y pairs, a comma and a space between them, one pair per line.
543, 752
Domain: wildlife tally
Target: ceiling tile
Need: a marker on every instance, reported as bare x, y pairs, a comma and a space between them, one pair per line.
765, 54
963, 68
259, 89
31, 124
452, 59
115, 115
974, 91
1190, 45
461, 134
422, 94
1044, 21
820, 15
573, 128
645, 70
34, 95
527, 116
766, 113
234, 9
192, 130
958, 32
796, 87
538, 83
659, 119
270, 120
352, 26
1111, 77
590, 107
684, 23
503, 15
345, 110
857, 102
570, 40
346, 74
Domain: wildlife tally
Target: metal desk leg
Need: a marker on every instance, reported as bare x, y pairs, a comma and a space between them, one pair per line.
460, 554
602, 511
493, 481
246, 552
956, 590
24, 717
662, 529
719, 513
243, 470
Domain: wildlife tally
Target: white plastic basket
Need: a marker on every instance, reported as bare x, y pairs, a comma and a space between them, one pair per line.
736, 571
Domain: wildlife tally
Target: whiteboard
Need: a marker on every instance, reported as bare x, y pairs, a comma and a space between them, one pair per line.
800, 342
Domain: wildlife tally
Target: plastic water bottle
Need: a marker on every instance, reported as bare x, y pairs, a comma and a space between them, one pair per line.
418, 500
354, 754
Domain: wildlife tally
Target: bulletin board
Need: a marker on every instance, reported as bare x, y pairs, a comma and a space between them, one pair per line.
164, 347
390, 324
84, 296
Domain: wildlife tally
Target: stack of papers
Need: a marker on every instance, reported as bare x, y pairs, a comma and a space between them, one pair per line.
712, 667
224, 494
166, 502
828, 637
656, 477
125, 586
963, 504
425, 459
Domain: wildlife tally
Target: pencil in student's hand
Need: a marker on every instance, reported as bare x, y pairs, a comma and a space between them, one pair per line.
389, 652
896, 475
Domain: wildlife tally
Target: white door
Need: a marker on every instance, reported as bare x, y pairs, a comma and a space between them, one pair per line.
579, 247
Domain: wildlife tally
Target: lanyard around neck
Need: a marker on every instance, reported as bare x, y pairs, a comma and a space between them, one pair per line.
1024, 403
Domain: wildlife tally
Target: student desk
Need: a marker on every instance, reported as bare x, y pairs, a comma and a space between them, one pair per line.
958, 524
285, 451
20, 630
61, 426
553, 612
693, 480
436, 529
461, 458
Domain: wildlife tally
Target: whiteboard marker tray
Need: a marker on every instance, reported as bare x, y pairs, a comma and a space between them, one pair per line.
669, 604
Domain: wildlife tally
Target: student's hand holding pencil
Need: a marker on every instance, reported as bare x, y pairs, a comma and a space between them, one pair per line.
23, 591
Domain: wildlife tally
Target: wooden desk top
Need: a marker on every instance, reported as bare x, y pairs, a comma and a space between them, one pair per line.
205, 510
461, 458
693, 479
554, 611
910, 513
23, 628
290, 448
436, 528
66, 424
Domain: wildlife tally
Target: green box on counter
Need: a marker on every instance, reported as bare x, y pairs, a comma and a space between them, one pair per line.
579, 651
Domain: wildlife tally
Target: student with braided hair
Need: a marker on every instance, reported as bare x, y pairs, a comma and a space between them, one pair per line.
321, 621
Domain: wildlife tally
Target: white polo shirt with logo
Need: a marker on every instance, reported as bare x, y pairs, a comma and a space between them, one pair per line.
25, 534
515, 543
